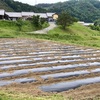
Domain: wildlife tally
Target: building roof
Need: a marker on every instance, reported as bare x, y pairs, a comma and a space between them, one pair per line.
27, 14
13, 14
85, 24
42, 15
50, 14
2, 12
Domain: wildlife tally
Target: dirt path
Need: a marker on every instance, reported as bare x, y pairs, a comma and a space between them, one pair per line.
45, 31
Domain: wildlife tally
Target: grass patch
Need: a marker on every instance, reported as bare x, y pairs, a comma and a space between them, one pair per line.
5, 95
10, 29
75, 34
13, 95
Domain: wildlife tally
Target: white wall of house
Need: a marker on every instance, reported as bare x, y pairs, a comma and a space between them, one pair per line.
14, 19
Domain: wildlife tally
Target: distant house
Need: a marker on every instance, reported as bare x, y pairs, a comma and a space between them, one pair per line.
42, 15
50, 16
85, 24
13, 15
55, 16
2, 13
27, 15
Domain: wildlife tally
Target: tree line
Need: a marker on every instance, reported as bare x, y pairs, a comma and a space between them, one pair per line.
18, 6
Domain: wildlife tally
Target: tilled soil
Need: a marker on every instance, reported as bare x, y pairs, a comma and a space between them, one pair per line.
30, 65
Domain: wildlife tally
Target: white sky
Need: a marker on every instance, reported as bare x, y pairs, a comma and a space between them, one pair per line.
33, 2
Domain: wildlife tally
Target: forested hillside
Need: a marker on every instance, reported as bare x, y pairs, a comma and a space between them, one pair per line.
3, 5
18, 6
84, 10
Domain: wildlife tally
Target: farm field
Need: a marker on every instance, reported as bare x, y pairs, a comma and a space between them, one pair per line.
44, 68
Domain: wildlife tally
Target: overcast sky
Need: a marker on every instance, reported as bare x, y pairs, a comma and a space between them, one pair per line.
33, 2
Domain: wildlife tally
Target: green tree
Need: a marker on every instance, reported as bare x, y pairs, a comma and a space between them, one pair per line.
65, 20
36, 21
43, 20
97, 23
19, 23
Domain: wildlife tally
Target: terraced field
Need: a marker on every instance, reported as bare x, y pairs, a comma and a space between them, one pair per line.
47, 66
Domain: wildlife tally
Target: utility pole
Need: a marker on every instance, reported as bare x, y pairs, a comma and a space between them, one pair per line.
35, 2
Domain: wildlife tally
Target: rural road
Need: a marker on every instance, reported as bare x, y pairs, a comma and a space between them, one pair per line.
44, 31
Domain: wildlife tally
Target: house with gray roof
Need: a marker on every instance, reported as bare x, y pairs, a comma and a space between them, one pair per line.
13, 15
27, 15
2, 13
50, 16
42, 15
